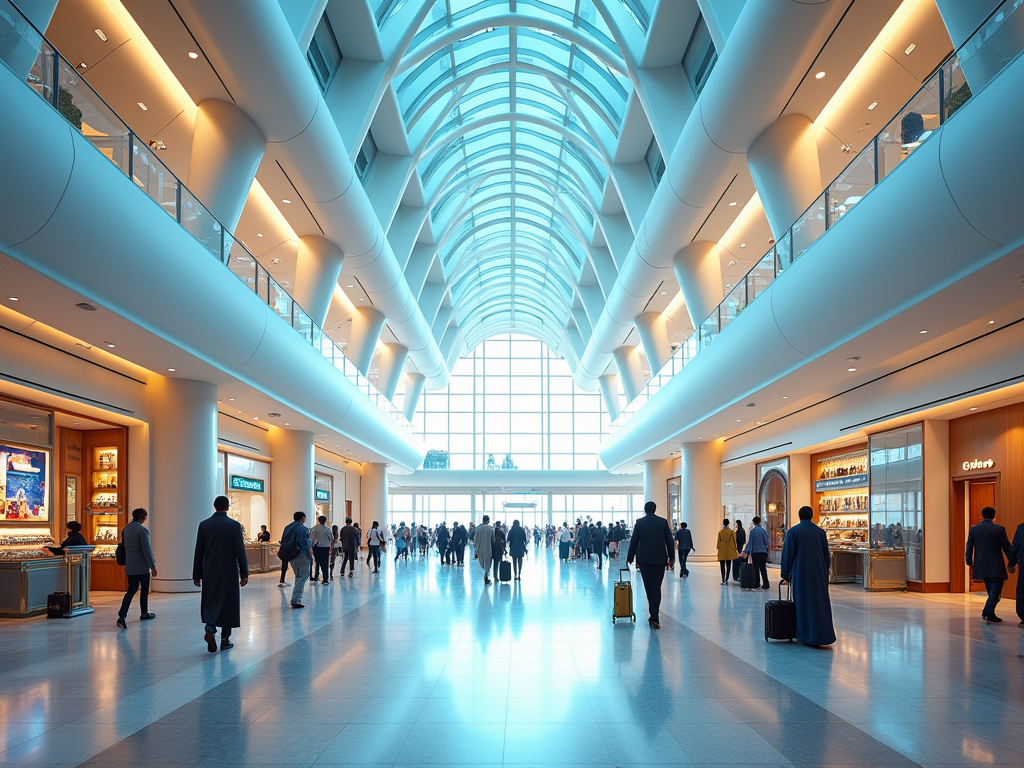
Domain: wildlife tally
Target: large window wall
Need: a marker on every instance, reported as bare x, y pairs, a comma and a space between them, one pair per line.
530, 509
512, 397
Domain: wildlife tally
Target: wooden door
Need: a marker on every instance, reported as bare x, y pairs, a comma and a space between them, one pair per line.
980, 494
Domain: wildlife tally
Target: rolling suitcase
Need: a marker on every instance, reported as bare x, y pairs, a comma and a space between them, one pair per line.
622, 602
505, 571
747, 576
57, 605
780, 618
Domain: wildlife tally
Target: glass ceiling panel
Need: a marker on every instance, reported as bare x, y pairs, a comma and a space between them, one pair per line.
514, 120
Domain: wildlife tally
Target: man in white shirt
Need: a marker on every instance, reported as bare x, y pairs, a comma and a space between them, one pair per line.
321, 537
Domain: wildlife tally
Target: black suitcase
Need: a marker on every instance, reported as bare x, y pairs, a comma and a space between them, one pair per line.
504, 571
780, 618
57, 605
748, 578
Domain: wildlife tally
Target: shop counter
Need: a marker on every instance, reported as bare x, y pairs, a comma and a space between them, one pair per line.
26, 583
262, 558
885, 569
847, 566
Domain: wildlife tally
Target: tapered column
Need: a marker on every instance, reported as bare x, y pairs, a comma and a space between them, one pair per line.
1001, 43
183, 458
367, 324
226, 151
610, 389
700, 494
317, 266
389, 368
374, 495
631, 372
291, 484
656, 475
18, 50
652, 328
783, 162
698, 269
413, 390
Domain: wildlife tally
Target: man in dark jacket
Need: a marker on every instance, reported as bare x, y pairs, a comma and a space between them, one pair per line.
651, 546
986, 543
220, 568
442, 544
597, 536
139, 566
684, 539
1016, 554
349, 545
459, 539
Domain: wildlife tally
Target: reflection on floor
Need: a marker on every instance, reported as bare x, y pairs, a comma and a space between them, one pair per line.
424, 665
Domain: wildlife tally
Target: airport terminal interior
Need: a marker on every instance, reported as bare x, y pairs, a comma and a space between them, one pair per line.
430, 265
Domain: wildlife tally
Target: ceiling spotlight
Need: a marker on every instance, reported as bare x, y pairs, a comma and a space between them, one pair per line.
109, 344
100, 35
738, 421
259, 234
872, 105
743, 245
751, 405
851, 370
193, 55
287, 424
76, 424
12, 298
910, 49
351, 286
275, 261
360, 298
732, 204
142, 106
231, 399
255, 418
171, 370
728, 285
785, 397
82, 65
990, 322
663, 293
86, 306
972, 409
285, 201
274, 415
819, 75
732, 263
925, 331
852, 359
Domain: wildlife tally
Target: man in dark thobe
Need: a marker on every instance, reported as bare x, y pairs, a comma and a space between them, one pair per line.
220, 568
986, 545
1017, 556
652, 547
805, 564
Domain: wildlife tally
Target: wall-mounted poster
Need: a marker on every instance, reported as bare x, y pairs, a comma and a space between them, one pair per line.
23, 478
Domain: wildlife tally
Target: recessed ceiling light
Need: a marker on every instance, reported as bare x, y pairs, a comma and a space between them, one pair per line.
231, 399
852, 359
743, 245
738, 420
143, 107
924, 331
851, 370
819, 75
100, 35
360, 298
663, 293
728, 285
990, 322
785, 397
82, 65
351, 286
732, 204
86, 306
732, 263
910, 49
193, 55
872, 105
287, 424
972, 409
255, 418
171, 370
259, 234
286, 201
76, 424
12, 298
109, 344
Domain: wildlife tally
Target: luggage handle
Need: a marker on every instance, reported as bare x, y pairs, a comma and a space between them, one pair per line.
625, 570
789, 592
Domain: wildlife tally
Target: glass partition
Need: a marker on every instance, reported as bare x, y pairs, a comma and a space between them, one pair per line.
896, 492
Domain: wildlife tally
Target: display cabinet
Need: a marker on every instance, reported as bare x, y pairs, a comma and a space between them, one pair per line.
105, 512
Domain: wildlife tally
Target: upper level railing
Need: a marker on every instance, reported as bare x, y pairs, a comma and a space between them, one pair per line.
62, 86
942, 94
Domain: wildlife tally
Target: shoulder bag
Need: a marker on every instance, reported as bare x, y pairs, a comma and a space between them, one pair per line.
121, 554
288, 552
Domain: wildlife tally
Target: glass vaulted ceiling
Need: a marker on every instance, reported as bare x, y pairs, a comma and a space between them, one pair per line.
516, 106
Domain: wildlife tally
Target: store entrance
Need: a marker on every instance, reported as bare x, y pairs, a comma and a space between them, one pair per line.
981, 493
773, 494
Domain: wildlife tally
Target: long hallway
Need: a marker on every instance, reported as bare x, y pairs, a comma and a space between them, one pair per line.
424, 665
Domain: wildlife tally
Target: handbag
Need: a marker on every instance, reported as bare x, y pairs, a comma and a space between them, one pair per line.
121, 554
287, 552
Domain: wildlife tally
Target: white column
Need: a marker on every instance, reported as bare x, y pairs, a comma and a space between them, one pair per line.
698, 269
317, 266
413, 389
631, 372
610, 389
183, 433
652, 328
22, 55
291, 479
799, 487
935, 435
700, 495
367, 324
963, 18
374, 495
226, 151
389, 368
656, 475
783, 162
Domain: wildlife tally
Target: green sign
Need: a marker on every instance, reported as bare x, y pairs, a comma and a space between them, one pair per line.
239, 483
322, 495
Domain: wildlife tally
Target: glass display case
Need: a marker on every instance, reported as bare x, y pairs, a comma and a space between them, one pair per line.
841, 488
25, 545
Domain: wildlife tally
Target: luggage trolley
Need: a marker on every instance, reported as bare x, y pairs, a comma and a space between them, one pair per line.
622, 602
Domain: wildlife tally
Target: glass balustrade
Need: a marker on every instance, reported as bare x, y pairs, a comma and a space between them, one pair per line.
989, 50
28, 54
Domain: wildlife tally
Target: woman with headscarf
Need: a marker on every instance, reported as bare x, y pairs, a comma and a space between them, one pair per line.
727, 551
517, 548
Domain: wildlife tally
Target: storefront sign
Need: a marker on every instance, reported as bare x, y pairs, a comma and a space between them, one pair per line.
849, 481
321, 495
969, 466
252, 484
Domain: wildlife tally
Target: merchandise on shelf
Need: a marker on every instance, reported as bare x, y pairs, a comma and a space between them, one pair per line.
25, 546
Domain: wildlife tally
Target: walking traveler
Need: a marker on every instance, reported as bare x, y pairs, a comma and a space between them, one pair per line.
564, 542
443, 549
741, 541
483, 539
805, 565
401, 542
295, 543
517, 541
726, 550
375, 545
220, 568
459, 539
1015, 558
597, 537
986, 544
283, 582
139, 565
335, 547
348, 540
684, 541
757, 550
497, 547
615, 537
321, 537
651, 547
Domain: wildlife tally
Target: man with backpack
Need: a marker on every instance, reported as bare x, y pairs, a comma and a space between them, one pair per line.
295, 549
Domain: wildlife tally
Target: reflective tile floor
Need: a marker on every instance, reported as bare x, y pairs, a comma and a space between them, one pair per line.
424, 665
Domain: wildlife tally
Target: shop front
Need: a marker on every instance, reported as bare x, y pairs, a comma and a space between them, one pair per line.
323, 493
773, 503
246, 483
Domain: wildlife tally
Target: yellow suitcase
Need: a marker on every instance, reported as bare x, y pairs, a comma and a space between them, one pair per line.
622, 603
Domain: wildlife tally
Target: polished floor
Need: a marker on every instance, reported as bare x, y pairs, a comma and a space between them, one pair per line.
424, 665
